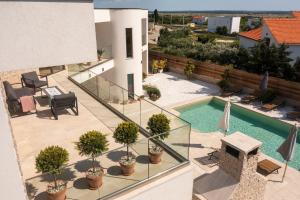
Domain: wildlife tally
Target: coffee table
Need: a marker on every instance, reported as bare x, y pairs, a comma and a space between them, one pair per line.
51, 92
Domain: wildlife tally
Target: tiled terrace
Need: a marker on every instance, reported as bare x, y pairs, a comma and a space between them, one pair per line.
34, 132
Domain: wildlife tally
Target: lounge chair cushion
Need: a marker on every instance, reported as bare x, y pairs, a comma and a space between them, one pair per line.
30, 78
20, 92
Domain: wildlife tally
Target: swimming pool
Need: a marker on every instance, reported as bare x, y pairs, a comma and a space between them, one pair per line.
205, 115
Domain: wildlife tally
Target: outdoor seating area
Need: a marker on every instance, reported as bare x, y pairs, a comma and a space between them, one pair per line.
23, 99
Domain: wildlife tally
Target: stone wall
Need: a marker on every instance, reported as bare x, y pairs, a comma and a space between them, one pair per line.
251, 185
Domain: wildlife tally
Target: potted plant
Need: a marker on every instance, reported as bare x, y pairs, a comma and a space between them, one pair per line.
126, 133
162, 64
153, 92
51, 160
93, 144
100, 53
159, 126
155, 66
189, 69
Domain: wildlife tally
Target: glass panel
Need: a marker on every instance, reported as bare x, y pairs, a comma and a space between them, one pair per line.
165, 159
179, 141
116, 97
147, 110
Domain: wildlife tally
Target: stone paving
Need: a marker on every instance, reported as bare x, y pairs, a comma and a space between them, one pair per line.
176, 90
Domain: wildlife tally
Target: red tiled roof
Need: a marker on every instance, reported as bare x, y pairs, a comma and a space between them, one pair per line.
284, 30
198, 17
296, 14
255, 34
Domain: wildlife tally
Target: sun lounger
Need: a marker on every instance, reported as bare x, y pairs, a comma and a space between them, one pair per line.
268, 166
273, 104
250, 98
231, 91
294, 115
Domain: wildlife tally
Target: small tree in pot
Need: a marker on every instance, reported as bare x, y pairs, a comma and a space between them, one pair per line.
51, 160
93, 144
127, 133
159, 126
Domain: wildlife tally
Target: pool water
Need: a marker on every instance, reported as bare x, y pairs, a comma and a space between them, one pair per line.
205, 116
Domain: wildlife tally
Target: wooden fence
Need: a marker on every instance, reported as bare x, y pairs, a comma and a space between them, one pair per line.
212, 73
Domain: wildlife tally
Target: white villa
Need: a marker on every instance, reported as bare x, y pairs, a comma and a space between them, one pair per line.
37, 34
277, 31
231, 23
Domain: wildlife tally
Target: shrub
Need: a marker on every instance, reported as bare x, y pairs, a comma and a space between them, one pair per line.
51, 160
206, 38
159, 126
189, 69
126, 133
222, 30
92, 143
268, 96
159, 64
152, 91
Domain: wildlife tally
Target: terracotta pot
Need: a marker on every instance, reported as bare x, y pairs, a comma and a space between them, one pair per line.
127, 170
61, 195
94, 181
155, 157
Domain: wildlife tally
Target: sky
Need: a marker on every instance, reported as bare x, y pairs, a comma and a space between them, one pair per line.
173, 5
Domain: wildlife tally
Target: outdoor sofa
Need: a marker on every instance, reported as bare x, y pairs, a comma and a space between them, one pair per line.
13, 97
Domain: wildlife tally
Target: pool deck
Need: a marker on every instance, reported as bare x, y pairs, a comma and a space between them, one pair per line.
177, 91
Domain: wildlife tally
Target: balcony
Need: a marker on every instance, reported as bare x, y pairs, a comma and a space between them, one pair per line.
100, 108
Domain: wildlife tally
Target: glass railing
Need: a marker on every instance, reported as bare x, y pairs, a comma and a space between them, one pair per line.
133, 107
74, 69
138, 110
114, 182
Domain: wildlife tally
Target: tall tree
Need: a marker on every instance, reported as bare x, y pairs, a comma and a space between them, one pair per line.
156, 16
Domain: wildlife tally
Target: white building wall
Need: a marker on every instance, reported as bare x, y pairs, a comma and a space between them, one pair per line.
235, 25
176, 186
232, 23
11, 185
295, 52
246, 42
46, 33
120, 20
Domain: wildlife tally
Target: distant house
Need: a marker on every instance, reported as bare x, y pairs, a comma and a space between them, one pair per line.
250, 38
199, 19
277, 31
231, 23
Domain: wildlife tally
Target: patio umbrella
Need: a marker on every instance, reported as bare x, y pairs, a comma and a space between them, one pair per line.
224, 121
287, 149
264, 82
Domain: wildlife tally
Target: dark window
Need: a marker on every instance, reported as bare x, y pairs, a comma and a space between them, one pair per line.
232, 151
129, 48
